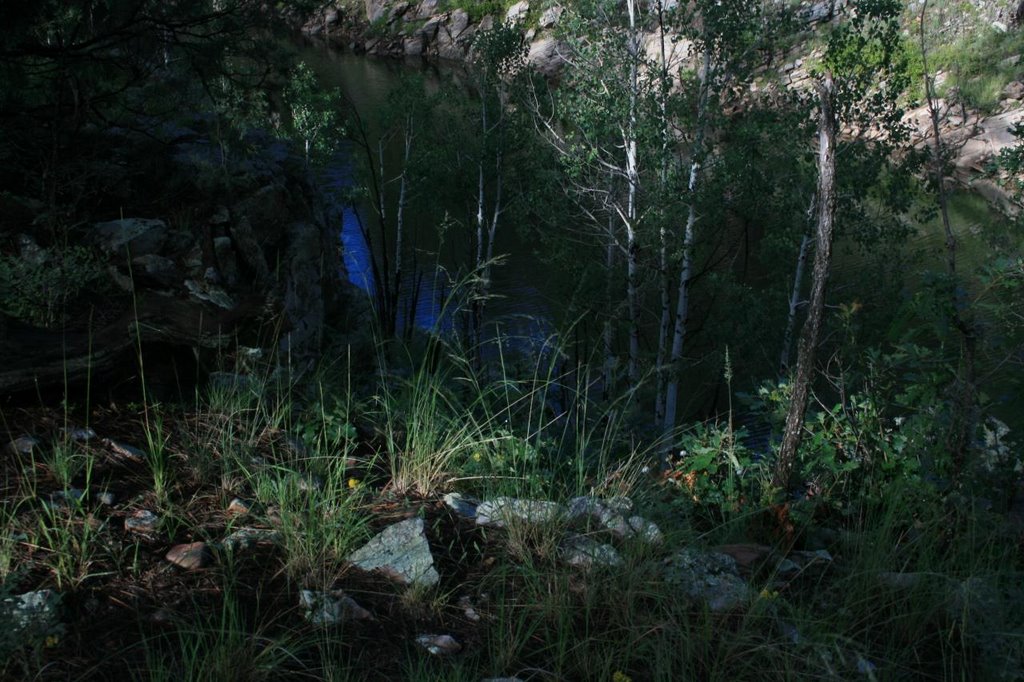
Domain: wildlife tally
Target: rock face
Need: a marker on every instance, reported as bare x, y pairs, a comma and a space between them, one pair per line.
198, 286
401, 552
708, 577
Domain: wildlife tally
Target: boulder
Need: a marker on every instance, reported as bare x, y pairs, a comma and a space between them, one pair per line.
32, 614
401, 552
551, 17
547, 56
131, 237
708, 577
1013, 90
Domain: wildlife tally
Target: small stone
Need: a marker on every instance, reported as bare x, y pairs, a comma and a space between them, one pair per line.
247, 538
331, 608
647, 530
239, 506
81, 434
65, 498
468, 610
462, 506
143, 521
23, 445
439, 645
123, 452
106, 499
191, 556
1013, 90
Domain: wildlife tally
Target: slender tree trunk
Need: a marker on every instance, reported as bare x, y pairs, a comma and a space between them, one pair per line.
400, 223
664, 283
827, 129
794, 296
633, 178
686, 271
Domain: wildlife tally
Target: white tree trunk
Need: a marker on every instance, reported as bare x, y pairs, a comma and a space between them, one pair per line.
686, 271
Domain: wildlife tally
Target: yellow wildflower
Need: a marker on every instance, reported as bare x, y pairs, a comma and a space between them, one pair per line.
619, 676
353, 483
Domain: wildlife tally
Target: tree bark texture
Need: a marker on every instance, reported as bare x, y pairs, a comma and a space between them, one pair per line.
827, 129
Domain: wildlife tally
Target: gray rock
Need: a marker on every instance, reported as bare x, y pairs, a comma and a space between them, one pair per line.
331, 608
708, 577
414, 46
35, 614
585, 552
125, 453
143, 521
134, 236
517, 12
81, 434
439, 645
426, 9
611, 513
546, 56
463, 506
458, 22
191, 556
23, 445
401, 552
501, 511
209, 293
551, 17
106, 499
248, 538
65, 498
157, 269
1013, 90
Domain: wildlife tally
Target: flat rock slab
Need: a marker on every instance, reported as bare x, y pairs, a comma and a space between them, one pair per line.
191, 556
401, 552
501, 511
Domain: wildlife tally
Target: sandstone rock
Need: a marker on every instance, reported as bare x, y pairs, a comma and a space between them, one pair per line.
401, 552
585, 552
501, 511
708, 577
191, 556
439, 645
134, 236
331, 608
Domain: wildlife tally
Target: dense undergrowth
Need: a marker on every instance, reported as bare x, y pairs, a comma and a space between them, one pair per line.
923, 581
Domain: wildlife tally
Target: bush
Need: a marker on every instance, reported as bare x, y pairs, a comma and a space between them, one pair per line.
40, 288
